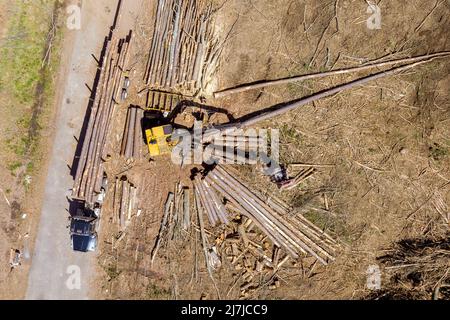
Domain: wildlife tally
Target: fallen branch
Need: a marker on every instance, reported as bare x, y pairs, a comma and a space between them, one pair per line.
163, 226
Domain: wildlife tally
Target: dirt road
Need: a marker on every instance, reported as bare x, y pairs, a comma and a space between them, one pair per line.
55, 267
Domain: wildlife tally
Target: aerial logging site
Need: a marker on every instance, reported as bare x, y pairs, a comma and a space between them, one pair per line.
268, 150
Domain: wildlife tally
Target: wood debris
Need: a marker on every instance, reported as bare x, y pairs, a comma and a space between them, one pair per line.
162, 101
293, 233
125, 202
15, 257
300, 177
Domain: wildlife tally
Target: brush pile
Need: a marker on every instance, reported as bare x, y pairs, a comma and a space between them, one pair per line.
416, 269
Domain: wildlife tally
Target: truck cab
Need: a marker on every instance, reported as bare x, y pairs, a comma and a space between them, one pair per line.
83, 235
84, 221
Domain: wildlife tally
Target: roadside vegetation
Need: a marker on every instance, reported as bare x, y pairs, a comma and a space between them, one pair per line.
30, 39
28, 62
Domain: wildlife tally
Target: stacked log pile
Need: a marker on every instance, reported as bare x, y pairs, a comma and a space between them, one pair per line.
125, 203
132, 139
255, 235
162, 101
211, 202
294, 233
182, 49
258, 263
90, 172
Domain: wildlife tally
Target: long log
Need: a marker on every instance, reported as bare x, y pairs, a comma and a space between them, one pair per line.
174, 43
266, 226
282, 223
115, 203
213, 219
186, 210
265, 115
153, 47
163, 226
203, 235
125, 132
218, 206
289, 232
89, 130
264, 84
137, 144
130, 133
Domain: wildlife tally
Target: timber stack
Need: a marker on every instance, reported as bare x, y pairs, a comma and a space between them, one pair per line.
291, 232
183, 52
162, 101
132, 141
125, 202
90, 169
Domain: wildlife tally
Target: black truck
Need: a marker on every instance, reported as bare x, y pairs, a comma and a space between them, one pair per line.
84, 221
83, 234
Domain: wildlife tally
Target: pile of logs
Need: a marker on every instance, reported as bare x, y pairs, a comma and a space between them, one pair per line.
293, 233
255, 260
211, 202
89, 174
132, 140
125, 204
237, 149
182, 45
242, 142
162, 101
257, 235
176, 218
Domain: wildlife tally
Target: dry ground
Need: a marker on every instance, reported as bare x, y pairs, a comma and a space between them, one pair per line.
389, 142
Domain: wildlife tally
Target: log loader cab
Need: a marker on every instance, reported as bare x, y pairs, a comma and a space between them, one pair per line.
158, 133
